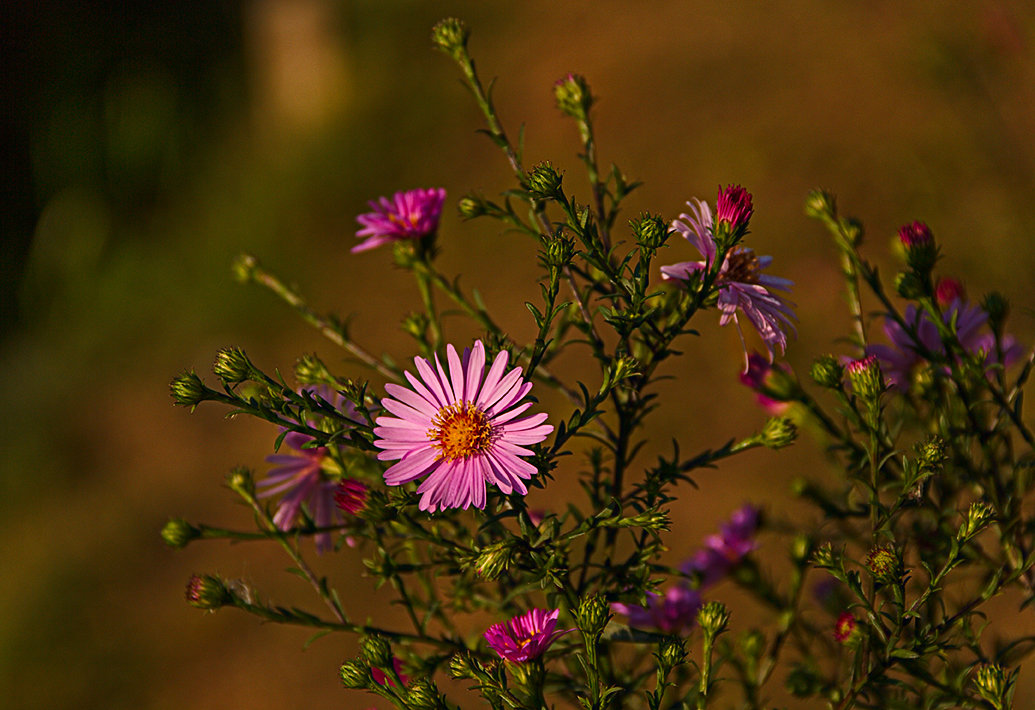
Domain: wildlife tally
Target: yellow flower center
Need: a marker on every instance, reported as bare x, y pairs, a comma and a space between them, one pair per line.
460, 430
742, 265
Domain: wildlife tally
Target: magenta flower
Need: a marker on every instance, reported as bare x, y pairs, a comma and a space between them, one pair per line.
721, 552
459, 431
742, 285
526, 636
408, 215
351, 495
758, 371
917, 234
380, 677
673, 613
733, 208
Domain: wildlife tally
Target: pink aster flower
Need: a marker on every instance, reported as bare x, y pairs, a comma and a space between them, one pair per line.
733, 208
673, 613
758, 371
459, 431
742, 285
408, 215
526, 636
300, 476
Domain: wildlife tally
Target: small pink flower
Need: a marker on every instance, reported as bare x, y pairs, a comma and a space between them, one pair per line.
459, 431
915, 235
733, 208
380, 677
408, 215
844, 627
741, 282
526, 636
673, 613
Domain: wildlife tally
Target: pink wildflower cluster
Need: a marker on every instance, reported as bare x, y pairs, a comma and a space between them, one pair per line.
903, 354
741, 282
676, 610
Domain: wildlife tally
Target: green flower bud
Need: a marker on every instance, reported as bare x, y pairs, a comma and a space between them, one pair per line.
932, 454
178, 533
464, 665
560, 250
471, 206
671, 653
416, 324
801, 548
240, 481
827, 372
779, 432
819, 203
650, 230
544, 183
853, 230
713, 618
573, 96
978, 516
207, 592
232, 366
592, 615
884, 564
493, 560
310, 370
866, 379
243, 268
450, 35
377, 651
908, 285
994, 685
355, 675
188, 390
421, 694
825, 558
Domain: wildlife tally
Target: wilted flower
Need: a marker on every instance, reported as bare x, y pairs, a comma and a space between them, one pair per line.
408, 215
741, 283
672, 613
459, 431
526, 636
721, 552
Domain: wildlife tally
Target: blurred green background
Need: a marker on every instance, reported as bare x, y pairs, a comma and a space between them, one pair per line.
149, 143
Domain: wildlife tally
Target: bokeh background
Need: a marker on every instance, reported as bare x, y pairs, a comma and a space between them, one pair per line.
150, 142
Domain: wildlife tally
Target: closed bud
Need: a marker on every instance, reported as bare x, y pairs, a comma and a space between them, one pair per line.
650, 230
853, 231
884, 564
464, 665
416, 324
243, 267
377, 651
908, 285
240, 481
621, 369
310, 370
997, 308
779, 432
733, 210
819, 203
232, 366
932, 454
493, 560
450, 35
178, 533
671, 653
994, 685
421, 694
978, 516
921, 250
573, 96
827, 372
471, 206
188, 390
865, 377
560, 250
544, 183
592, 615
355, 675
652, 520
824, 557
713, 618
207, 592
801, 548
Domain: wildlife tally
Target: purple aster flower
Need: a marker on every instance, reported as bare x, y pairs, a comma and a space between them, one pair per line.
459, 430
408, 215
526, 636
300, 476
721, 552
742, 285
673, 613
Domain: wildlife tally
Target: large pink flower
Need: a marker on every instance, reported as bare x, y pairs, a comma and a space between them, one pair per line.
742, 285
408, 215
526, 636
459, 431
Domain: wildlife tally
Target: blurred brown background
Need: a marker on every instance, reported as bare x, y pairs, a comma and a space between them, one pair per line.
149, 143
